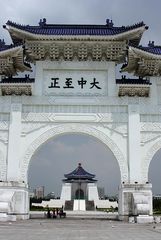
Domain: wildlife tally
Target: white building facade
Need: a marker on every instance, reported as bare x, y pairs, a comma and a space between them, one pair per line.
75, 91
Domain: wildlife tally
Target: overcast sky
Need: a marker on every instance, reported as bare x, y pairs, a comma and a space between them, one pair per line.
62, 155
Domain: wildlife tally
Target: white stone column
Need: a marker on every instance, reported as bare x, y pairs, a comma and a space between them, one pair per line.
111, 80
38, 86
14, 142
134, 153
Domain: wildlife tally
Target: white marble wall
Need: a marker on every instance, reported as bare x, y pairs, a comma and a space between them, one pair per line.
66, 192
92, 192
129, 127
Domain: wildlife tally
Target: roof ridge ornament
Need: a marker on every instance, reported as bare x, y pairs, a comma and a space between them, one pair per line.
109, 23
2, 42
151, 44
42, 22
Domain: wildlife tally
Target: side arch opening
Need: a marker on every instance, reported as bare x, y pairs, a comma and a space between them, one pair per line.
154, 173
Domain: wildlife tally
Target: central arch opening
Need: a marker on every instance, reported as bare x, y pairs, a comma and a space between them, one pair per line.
61, 155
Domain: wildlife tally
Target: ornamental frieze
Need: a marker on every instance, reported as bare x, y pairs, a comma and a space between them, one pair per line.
57, 117
76, 50
151, 127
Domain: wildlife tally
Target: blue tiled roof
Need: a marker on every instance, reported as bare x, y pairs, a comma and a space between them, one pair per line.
4, 46
139, 80
79, 173
151, 48
11, 79
61, 29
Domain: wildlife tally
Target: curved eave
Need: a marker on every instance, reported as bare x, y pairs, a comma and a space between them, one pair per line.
137, 65
21, 35
143, 54
13, 70
73, 176
17, 63
80, 180
13, 52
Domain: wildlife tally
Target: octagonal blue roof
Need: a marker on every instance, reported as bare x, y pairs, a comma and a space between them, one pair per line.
79, 173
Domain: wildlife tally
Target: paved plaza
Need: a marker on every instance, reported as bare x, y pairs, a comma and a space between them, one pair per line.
73, 229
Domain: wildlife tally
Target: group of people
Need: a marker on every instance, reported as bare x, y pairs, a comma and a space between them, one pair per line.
55, 212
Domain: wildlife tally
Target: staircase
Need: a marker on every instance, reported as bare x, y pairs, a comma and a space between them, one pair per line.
79, 205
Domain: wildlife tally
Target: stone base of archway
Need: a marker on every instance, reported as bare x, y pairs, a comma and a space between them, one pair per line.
14, 201
135, 201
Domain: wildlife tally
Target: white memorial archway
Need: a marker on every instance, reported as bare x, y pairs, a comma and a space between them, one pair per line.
75, 90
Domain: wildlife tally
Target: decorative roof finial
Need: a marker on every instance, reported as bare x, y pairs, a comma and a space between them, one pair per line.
109, 23
79, 164
42, 22
123, 76
2, 42
151, 44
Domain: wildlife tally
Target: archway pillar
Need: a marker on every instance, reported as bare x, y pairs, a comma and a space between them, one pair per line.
14, 201
134, 152
135, 197
14, 197
135, 200
14, 143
